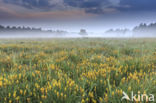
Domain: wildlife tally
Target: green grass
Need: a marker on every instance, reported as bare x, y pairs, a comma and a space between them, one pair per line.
76, 70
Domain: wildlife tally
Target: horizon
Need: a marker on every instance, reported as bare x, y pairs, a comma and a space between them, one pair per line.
71, 15
52, 30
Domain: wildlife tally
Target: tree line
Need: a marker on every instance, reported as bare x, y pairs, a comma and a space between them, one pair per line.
28, 29
141, 30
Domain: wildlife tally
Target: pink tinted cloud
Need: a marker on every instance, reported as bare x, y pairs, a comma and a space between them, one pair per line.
10, 11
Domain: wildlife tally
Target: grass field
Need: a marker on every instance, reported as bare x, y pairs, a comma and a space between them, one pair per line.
76, 70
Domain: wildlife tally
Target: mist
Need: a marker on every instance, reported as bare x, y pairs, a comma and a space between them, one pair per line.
142, 30
130, 34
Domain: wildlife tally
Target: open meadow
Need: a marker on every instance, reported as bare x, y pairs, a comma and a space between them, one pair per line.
78, 70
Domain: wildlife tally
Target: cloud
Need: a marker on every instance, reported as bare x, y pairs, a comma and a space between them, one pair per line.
94, 6
137, 5
90, 6
10, 11
98, 7
101, 11
44, 5
29, 3
76, 14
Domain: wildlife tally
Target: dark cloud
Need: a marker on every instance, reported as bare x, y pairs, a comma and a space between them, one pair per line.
87, 3
89, 6
42, 4
137, 5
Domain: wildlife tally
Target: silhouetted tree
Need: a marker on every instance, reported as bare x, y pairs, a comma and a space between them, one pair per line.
8, 27
145, 30
14, 28
29, 30
83, 32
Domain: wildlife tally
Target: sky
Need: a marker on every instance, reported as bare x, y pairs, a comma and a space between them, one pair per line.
73, 15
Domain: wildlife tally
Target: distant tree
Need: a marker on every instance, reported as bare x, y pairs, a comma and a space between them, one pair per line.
28, 28
83, 32
19, 28
145, 30
14, 28
23, 28
117, 31
39, 29
8, 27
2, 27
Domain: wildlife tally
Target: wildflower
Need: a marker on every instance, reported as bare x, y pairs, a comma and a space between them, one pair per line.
42, 90
14, 95
10, 101
9, 95
21, 91
91, 94
52, 66
87, 99
120, 92
113, 93
28, 99
57, 94
129, 88
106, 98
61, 94
101, 81
65, 96
93, 100
25, 92
1, 83
82, 101
42, 96
100, 99
17, 98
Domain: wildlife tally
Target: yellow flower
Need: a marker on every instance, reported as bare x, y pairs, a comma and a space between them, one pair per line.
100, 99
87, 99
129, 88
113, 93
91, 95
65, 96
61, 94
10, 101
21, 91
28, 99
25, 92
17, 98
42, 90
42, 96
1, 83
57, 94
52, 66
93, 100
36, 85
14, 95
82, 101
106, 97
120, 92
9, 95
101, 81
81, 90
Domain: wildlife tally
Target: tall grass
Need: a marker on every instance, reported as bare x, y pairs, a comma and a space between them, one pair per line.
76, 70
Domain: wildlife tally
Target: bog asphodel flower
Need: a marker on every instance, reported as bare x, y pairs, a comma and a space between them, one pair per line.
1, 83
